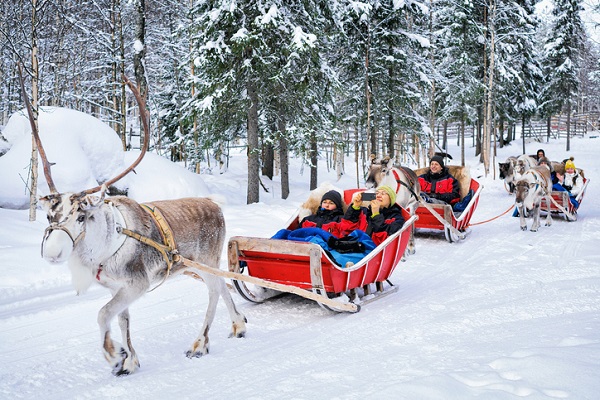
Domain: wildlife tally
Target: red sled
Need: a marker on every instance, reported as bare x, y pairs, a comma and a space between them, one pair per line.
266, 268
441, 216
561, 204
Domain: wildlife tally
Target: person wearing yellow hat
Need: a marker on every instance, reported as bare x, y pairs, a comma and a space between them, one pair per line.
571, 181
382, 218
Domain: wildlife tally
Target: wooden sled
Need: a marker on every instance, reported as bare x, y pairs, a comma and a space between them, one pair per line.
274, 266
441, 216
561, 205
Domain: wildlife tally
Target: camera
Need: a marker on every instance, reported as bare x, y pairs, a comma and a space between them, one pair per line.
368, 196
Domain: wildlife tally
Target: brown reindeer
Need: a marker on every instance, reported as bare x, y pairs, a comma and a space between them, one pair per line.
129, 247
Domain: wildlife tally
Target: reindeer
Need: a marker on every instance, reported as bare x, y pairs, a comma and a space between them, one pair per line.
118, 243
532, 186
506, 172
524, 162
403, 180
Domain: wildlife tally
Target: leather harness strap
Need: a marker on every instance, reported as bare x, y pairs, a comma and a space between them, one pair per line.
168, 250
400, 182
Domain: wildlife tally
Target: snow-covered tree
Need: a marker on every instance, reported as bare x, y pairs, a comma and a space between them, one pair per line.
563, 59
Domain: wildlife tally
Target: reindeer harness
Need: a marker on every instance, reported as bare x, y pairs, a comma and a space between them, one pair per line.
168, 249
401, 183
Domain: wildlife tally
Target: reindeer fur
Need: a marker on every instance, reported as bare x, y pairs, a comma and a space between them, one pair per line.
97, 251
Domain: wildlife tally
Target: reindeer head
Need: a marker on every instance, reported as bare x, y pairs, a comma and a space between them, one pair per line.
522, 189
377, 171
505, 169
69, 214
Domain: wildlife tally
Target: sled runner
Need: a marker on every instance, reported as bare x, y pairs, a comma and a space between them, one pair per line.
442, 216
274, 266
561, 204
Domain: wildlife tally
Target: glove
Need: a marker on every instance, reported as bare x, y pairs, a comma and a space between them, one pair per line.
425, 198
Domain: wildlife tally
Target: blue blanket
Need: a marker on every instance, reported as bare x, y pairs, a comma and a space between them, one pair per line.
320, 237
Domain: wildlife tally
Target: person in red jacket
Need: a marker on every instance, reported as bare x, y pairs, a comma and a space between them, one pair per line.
438, 185
328, 216
381, 219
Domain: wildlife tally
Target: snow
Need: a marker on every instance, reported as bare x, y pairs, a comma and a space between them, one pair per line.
89, 151
504, 314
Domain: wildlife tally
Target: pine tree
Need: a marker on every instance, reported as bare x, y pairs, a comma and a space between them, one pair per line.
563, 59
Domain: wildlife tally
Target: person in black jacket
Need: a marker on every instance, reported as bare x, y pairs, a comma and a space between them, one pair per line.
438, 185
381, 219
328, 215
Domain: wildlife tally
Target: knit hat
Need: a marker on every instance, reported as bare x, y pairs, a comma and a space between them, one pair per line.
437, 159
334, 196
390, 192
570, 163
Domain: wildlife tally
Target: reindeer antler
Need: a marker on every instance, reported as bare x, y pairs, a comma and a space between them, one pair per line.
36, 135
144, 115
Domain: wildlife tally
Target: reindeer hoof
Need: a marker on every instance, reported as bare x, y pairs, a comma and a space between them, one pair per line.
195, 354
127, 365
524, 228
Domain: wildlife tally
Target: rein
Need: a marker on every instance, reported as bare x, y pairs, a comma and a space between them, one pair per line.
400, 182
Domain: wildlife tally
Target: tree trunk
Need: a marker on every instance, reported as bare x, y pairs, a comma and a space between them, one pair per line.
569, 124
253, 149
139, 54
370, 136
284, 162
489, 120
462, 141
268, 159
314, 151
523, 131
35, 70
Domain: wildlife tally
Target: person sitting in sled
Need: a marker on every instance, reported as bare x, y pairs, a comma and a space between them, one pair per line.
382, 218
571, 181
438, 185
328, 215
545, 161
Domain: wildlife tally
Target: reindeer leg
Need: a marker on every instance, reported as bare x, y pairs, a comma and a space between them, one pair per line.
411, 240
522, 220
536, 218
201, 346
131, 363
117, 356
549, 213
238, 320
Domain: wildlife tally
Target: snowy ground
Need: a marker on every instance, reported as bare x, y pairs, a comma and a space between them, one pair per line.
504, 314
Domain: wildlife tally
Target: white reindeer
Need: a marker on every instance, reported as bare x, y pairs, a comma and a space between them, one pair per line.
533, 185
128, 247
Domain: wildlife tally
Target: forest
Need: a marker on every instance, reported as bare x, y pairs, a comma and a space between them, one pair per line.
309, 79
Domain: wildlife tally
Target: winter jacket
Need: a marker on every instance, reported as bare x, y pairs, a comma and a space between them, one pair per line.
328, 220
379, 227
440, 186
573, 183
